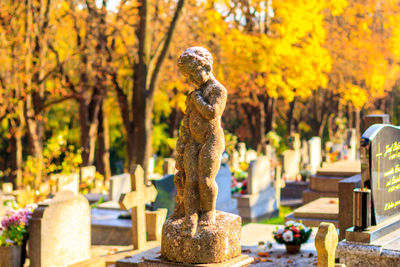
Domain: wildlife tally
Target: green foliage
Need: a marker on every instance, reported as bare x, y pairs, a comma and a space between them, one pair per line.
161, 141
58, 157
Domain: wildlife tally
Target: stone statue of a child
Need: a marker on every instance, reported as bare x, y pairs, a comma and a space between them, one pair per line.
201, 140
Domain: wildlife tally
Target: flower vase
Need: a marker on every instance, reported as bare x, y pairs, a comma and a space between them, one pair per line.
10, 256
292, 249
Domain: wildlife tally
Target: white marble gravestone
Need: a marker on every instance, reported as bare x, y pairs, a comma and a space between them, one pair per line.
315, 153
59, 232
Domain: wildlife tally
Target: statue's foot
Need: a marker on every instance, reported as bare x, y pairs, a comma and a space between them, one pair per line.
207, 218
189, 226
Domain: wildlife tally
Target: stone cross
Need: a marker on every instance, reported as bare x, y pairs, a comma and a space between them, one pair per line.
136, 200
326, 241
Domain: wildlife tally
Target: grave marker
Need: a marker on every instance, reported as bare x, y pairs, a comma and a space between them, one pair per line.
169, 166
119, 184
315, 153
7, 188
291, 163
242, 151
380, 148
250, 155
136, 201
59, 232
67, 182
326, 242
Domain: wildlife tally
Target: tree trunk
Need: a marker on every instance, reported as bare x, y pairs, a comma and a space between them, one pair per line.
270, 111
290, 116
103, 151
261, 124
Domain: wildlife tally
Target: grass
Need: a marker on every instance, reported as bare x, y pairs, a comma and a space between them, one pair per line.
283, 211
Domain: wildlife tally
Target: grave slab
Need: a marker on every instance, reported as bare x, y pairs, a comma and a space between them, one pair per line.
317, 211
343, 168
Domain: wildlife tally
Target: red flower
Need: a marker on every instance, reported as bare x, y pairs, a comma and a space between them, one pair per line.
294, 229
296, 235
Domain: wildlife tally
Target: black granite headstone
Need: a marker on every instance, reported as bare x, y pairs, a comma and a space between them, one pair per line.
380, 155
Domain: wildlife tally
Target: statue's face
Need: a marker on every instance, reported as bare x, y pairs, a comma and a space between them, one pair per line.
196, 77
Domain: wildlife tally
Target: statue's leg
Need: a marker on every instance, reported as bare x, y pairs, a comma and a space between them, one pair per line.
179, 181
209, 164
191, 195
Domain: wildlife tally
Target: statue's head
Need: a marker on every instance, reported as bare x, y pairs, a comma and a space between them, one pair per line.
195, 63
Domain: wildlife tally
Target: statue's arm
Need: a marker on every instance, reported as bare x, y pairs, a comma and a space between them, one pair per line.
216, 106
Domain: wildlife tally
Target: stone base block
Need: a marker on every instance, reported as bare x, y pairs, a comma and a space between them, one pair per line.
375, 232
242, 260
309, 222
325, 183
211, 244
309, 195
360, 255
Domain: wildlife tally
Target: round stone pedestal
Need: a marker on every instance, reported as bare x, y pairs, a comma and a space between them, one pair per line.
211, 244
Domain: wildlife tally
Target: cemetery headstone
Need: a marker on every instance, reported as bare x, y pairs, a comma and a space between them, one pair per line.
259, 175
351, 142
250, 155
378, 244
291, 164
67, 182
326, 242
261, 198
119, 184
315, 153
225, 202
305, 158
150, 168
59, 232
169, 166
242, 151
88, 173
7, 188
381, 170
136, 201
235, 161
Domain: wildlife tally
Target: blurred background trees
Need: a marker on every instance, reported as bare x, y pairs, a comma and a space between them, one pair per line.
96, 82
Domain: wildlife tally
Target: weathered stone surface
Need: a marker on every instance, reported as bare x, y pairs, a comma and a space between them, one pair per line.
156, 261
136, 200
360, 255
325, 242
214, 243
346, 187
59, 232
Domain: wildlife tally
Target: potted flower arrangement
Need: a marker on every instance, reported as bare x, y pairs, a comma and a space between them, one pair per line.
292, 235
13, 236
